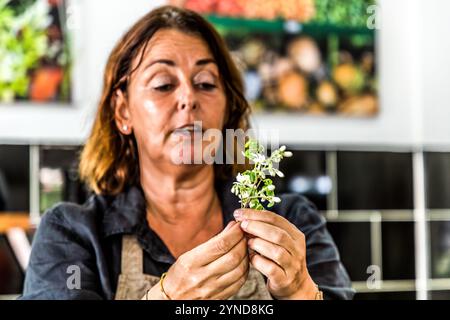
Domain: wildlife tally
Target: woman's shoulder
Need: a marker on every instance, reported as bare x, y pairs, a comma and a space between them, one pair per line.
100, 214
76, 218
62, 212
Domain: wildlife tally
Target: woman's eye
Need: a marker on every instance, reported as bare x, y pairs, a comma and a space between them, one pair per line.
206, 86
164, 87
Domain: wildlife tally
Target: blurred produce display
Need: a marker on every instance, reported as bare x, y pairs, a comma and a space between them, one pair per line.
34, 54
311, 56
301, 10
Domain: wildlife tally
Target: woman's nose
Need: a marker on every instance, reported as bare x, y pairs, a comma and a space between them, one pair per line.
187, 100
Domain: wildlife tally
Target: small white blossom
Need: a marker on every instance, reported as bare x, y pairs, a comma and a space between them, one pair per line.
279, 173
259, 158
243, 178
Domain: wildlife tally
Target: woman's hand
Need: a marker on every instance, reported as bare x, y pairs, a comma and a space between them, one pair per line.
280, 253
216, 269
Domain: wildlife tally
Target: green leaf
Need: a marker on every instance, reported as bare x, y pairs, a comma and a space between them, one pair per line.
254, 203
252, 177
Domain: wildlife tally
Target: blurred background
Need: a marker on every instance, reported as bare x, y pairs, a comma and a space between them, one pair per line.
358, 89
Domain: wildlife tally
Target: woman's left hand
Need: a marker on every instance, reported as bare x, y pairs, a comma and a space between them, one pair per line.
280, 253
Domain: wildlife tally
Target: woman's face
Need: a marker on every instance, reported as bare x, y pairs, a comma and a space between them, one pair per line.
177, 84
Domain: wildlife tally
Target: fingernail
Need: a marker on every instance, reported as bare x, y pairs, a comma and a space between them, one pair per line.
229, 225
244, 224
237, 214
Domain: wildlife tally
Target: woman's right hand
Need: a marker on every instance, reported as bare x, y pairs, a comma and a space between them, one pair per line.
216, 269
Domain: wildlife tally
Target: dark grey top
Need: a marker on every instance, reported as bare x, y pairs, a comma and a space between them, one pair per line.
89, 237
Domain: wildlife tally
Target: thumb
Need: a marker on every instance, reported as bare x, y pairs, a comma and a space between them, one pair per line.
229, 225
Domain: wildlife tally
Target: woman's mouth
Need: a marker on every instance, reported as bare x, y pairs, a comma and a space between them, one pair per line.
188, 131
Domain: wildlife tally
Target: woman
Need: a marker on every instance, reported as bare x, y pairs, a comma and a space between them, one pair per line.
159, 230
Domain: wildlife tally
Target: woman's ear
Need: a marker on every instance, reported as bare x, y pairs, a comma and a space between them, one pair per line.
122, 113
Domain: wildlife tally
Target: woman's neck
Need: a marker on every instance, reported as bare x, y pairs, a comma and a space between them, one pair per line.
184, 210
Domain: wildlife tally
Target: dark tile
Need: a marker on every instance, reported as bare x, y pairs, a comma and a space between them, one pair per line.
440, 249
305, 173
439, 295
14, 178
374, 180
437, 173
353, 242
398, 250
11, 275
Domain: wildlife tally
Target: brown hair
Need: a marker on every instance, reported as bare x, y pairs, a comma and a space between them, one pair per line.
109, 161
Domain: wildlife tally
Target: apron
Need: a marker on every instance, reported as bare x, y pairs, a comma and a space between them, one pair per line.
133, 284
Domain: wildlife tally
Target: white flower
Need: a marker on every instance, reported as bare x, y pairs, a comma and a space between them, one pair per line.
244, 179
287, 154
271, 187
259, 158
279, 173
276, 199
282, 148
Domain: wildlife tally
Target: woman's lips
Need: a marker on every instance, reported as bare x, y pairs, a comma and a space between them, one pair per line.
188, 131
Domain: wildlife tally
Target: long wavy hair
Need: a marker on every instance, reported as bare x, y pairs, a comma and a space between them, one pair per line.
109, 161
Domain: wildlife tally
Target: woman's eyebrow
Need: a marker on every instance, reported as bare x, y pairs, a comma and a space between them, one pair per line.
172, 63
202, 62
163, 61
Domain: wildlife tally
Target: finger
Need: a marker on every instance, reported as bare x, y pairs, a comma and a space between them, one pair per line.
267, 267
225, 280
271, 251
228, 261
217, 246
231, 289
267, 217
270, 233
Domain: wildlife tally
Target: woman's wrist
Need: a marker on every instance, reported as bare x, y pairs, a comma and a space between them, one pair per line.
308, 290
154, 294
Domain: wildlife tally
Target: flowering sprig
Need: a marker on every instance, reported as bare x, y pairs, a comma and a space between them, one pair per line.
254, 187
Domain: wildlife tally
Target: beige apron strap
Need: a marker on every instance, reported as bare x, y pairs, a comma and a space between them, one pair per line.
132, 256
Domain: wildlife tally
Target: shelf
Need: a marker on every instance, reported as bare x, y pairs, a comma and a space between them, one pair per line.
401, 285
244, 25
10, 220
9, 296
384, 215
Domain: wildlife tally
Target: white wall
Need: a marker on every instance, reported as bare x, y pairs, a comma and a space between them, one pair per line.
436, 72
413, 44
